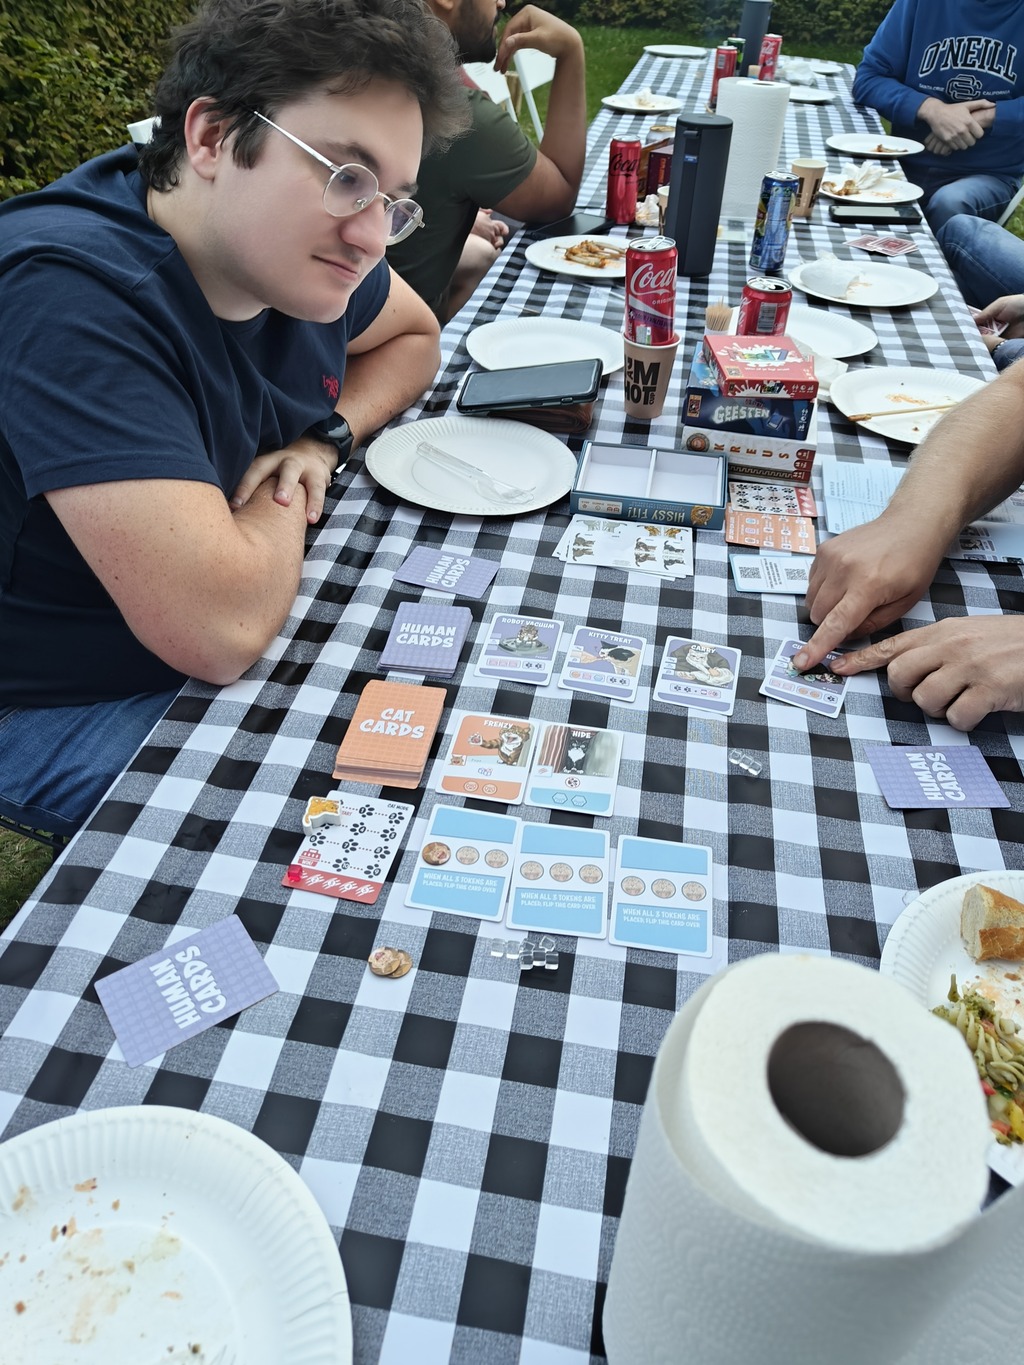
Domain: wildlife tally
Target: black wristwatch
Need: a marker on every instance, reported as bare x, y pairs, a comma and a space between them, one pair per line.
336, 432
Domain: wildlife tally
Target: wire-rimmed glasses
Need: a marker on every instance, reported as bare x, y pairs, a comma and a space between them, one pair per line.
353, 188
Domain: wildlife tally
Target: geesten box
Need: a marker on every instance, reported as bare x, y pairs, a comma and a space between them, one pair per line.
786, 419
757, 457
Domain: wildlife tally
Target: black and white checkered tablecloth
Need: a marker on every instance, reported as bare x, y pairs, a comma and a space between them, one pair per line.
468, 1132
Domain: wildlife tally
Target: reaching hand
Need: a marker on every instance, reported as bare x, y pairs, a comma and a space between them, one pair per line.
1009, 308
306, 461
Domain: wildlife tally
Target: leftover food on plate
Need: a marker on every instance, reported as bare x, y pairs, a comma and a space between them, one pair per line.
992, 924
597, 255
998, 1054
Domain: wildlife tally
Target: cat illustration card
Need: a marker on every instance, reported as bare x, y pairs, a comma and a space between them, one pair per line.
489, 757
604, 662
519, 648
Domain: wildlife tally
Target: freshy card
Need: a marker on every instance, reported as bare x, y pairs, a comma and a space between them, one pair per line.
575, 767
916, 778
489, 757
771, 573
451, 571
520, 648
697, 674
661, 897
426, 637
184, 989
350, 845
604, 662
818, 689
560, 883
465, 863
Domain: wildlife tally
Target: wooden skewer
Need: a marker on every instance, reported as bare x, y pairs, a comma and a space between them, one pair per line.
902, 412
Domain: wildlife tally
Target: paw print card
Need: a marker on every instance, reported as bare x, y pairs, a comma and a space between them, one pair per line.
489, 757
350, 844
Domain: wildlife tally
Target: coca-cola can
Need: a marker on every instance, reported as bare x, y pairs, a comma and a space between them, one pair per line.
623, 179
771, 46
725, 65
651, 291
764, 308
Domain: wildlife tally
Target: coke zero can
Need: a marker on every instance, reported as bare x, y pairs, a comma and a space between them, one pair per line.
764, 308
623, 179
651, 291
725, 65
771, 46
779, 190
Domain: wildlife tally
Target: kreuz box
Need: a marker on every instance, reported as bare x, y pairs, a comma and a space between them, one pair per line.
757, 457
704, 406
773, 366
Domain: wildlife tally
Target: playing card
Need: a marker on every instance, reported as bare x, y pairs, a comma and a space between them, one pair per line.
661, 897
603, 662
560, 882
666, 551
350, 846
699, 675
772, 497
771, 573
817, 689
950, 776
988, 329
489, 757
892, 246
453, 571
426, 637
770, 531
575, 767
465, 862
521, 648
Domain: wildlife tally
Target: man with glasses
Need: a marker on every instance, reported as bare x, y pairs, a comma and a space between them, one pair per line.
191, 340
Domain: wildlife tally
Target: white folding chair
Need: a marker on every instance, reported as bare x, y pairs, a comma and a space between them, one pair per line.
533, 69
492, 83
141, 132
1011, 207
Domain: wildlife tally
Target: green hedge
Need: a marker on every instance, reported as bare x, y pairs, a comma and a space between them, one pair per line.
71, 76
801, 22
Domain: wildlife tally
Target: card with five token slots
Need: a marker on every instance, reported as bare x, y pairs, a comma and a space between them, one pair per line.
454, 571
771, 573
818, 689
350, 846
519, 648
575, 767
489, 757
465, 863
603, 662
699, 675
426, 637
389, 736
770, 531
661, 897
560, 882
772, 497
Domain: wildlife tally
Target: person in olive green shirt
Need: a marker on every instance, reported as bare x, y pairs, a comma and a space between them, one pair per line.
495, 166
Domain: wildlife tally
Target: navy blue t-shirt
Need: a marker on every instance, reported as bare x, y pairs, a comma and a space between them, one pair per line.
113, 366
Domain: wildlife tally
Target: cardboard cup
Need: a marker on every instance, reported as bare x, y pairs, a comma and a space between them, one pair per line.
809, 171
645, 377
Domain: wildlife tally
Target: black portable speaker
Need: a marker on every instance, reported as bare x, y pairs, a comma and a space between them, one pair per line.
700, 157
757, 15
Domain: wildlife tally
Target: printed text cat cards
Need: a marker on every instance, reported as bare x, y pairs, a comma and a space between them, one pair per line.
389, 736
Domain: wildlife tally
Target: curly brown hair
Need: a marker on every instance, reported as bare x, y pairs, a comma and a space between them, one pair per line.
261, 54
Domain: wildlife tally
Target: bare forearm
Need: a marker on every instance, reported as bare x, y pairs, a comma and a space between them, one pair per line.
381, 383
565, 127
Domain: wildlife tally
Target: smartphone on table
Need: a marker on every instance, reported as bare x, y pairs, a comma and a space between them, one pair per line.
558, 384
874, 215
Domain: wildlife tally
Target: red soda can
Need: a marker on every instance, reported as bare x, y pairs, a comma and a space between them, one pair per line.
651, 291
771, 46
623, 179
725, 65
764, 308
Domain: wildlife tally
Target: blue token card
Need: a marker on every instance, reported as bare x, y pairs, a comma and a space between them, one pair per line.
560, 882
661, 897
465, 863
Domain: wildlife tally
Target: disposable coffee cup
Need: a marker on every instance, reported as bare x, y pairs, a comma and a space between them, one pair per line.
809, 172
645, 377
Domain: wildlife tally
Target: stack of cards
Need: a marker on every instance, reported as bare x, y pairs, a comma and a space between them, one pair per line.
914, 779
520, 648
451, 571
389, 736
884, 246
426, 637
666, 551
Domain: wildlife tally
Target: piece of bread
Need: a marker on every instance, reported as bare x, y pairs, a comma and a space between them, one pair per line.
992, 925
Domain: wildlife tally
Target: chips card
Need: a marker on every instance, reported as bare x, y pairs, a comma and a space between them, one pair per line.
603, 662
520, 648
426, 637
575, 767
489, 757
465, 862
699, 675
771, 573
770, 531
351, 844
453, 571
560, 882
818, 689
661, 897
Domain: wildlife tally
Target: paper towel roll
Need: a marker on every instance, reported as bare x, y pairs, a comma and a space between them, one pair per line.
806, 1181
758, 113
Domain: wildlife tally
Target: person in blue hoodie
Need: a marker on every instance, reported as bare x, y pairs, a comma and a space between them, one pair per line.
948, 73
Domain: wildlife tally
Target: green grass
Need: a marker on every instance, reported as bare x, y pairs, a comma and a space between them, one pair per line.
22, 863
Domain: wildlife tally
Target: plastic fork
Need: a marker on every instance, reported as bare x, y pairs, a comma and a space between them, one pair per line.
495, 489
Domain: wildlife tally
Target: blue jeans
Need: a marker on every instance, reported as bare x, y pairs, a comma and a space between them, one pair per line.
983, 195
987, 262
56, 763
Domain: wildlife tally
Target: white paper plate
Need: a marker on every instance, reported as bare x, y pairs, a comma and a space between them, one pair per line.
868, 144
675, 50
136, 1234
806, 94
545, 255
896, 192
825, 68
924, 948
882, 387
513, 451
883, 286
654, 104
543, 341
829, 334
